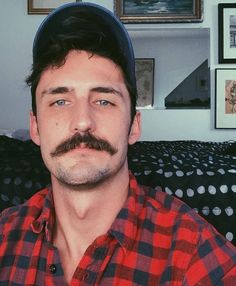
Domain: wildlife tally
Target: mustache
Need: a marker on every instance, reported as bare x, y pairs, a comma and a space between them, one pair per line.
88, 139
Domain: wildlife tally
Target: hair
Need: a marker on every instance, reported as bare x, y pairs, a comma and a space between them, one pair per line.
80, 31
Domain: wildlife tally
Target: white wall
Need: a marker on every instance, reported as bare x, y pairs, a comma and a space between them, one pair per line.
177, 53
17, 30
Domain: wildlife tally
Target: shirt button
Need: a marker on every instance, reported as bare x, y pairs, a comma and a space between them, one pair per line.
52, 268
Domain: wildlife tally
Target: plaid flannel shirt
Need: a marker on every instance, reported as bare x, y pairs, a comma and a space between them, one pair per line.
155, 240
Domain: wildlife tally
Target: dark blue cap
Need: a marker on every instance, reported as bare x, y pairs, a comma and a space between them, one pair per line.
53, 23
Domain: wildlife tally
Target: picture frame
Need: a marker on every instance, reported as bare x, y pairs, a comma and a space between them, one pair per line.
144, 72
43, 7
227, 32
142, 11
225, 98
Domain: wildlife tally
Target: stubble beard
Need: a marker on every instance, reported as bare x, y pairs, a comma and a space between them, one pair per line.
88, 177
84, 179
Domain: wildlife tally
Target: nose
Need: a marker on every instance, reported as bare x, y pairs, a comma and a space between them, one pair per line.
82, 119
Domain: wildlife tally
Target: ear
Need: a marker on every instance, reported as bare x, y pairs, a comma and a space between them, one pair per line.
34, 133
135, 130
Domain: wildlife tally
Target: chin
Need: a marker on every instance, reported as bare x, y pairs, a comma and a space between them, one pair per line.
84, 180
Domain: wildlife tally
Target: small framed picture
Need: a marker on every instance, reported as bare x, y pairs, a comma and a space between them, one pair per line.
45, 6
227, 32
225, 99
144, 71
165, 11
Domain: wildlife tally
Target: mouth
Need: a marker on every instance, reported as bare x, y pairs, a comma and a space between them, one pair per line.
84, 146
82, 149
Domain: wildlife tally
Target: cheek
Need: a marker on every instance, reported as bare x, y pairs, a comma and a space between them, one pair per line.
121, 132
49, 133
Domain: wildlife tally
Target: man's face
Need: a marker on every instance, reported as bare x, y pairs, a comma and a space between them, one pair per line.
84, 98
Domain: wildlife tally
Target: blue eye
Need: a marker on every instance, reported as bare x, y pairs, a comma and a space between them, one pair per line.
104, 102
60, 102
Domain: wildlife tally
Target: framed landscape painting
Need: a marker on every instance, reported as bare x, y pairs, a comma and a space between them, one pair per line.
154, 11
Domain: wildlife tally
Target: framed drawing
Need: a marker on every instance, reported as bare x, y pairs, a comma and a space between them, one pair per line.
152, 11
227, 32
144, 71
45, 6
225, 98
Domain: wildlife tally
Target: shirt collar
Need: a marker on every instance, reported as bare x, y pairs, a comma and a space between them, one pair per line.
46, 218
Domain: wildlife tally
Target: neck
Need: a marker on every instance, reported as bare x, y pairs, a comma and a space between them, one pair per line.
83, 215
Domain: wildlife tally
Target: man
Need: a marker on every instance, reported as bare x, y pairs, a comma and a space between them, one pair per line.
95, 225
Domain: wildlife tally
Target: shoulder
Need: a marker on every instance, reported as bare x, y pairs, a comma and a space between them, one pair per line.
191, 239
170, 205
21, 216
181, 220
168, 212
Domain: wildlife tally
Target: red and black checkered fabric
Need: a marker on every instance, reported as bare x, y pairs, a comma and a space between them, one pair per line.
155, 240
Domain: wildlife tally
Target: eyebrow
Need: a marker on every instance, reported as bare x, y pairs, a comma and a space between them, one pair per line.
102, 89
56, 90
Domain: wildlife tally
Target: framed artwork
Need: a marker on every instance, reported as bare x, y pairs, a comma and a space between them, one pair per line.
225, 98
144, 71
227, 32
45, 6
153, 11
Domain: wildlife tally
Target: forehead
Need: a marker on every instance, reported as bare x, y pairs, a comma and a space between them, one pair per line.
85, 67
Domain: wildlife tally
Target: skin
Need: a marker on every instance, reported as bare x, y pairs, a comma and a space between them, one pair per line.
85, 95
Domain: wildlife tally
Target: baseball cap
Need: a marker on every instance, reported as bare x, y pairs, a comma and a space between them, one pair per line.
52, 25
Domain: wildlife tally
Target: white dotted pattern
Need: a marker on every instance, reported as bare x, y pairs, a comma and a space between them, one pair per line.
229, 236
